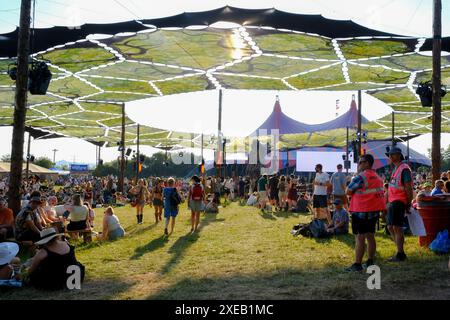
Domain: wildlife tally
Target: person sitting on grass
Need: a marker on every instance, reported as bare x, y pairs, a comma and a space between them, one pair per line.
8, 252
50, 264
253, 199
340, 219
112, 229
79, 215
28, 222
438, 188
6, 221
170, 193
212, 207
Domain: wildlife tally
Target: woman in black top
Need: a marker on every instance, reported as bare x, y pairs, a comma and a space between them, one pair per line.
50, 267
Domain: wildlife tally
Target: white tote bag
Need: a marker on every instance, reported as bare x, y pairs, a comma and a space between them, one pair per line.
416, 223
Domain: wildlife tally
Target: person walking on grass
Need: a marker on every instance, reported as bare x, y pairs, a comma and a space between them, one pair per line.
400, 195
262, 190
140, 191
172, 200
157, 196
367, 200
196, 200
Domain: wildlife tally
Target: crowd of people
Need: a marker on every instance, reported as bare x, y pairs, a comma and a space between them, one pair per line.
52, 211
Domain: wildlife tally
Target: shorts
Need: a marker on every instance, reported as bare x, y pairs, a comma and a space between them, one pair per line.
262, 196
282, 195
362, 225
76, 225
196, 205
158, 202
320, 201
170, 212
396, 214
273, 195
9, 232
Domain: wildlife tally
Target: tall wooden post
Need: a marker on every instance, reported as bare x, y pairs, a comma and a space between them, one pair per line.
20, 111
436, 122
122, 154
138, 159
27, 168
407, 146
219, 135
393, 128
347, 153
359, 134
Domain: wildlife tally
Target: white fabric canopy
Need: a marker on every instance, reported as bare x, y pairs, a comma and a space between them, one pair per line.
244, 110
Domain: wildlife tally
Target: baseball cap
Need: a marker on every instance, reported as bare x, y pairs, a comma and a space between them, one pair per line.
394, 150
337, 201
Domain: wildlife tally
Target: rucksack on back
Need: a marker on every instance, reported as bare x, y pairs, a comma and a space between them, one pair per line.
175, 199
197, 192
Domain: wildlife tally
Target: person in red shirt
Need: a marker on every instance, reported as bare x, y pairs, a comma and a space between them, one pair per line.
6, 221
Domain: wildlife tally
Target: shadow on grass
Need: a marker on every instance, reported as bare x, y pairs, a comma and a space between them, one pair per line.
289, 214
95, 289
149, 247
326, 282
268, 215
183, 243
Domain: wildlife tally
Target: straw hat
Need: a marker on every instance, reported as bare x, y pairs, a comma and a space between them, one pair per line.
47, 235
8, 250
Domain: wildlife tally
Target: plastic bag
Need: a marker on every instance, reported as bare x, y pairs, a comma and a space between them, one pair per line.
442, 243
415, 222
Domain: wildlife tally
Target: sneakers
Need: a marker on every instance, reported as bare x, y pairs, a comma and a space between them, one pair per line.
356, 267
399, 257
166, 232
368, 263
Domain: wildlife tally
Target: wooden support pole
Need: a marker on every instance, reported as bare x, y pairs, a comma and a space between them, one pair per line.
138, 159
436, 117
122, 153
20, 111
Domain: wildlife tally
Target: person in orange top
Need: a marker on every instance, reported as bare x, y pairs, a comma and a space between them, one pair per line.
400, 195
6, 221
367, 201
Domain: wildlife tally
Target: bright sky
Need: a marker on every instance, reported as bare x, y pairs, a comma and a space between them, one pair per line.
415, 20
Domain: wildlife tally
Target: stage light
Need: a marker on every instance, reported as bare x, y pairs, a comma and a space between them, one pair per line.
425, 92
128, 152
39, 77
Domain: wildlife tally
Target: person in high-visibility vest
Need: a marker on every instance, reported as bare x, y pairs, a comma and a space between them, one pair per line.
367, 201
400, 195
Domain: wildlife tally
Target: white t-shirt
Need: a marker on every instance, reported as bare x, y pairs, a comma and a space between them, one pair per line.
321, 178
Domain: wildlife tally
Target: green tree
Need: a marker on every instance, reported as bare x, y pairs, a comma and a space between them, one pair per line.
6, 158
44, 162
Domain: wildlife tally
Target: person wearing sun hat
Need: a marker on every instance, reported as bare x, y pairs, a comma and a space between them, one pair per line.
8, 251
400, 196
50, 264
28, 221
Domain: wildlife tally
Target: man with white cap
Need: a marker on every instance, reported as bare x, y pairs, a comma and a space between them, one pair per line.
400, 195
8, 251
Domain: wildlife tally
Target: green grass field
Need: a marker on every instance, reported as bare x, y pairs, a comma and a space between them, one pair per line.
241, 254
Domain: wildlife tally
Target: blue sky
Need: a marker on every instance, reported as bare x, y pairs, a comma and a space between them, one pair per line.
405, 17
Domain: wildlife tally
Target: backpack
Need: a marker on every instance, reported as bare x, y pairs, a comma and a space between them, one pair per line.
197, 192
175, 199
318, 229
303, 229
